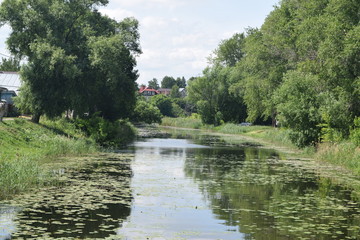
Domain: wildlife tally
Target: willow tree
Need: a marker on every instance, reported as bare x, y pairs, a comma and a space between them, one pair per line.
77, 58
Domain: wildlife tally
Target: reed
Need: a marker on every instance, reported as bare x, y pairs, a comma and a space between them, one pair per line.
346, 154
182, 122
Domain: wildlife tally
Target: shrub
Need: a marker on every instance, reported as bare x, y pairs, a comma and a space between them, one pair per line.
105, 132
164, 104
146, 112
177, 111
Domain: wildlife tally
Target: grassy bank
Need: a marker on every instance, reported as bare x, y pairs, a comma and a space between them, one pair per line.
265, 133
25, 147
344, 154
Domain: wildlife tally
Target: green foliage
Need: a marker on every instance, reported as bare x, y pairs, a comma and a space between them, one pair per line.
177, 111
212, 97
154, 84
298, 107
181, 82
18, 176
230, 51
11, 65
146, 112
168, 82
345, 154
113, 59
175, 92
194, 123
35, 145
355, 132
164, 104
105, 132
77, 58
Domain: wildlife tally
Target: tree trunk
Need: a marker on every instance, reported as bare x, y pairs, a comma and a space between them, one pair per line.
273, 119
35, 117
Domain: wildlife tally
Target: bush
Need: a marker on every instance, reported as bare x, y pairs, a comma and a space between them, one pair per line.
164, 104
146, 112
355, 132
298, 111
107, 133
177, 111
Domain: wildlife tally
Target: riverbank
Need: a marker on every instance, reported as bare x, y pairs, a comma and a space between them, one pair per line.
345, 156
26, 147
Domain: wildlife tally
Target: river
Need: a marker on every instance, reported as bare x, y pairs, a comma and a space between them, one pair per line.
188, 185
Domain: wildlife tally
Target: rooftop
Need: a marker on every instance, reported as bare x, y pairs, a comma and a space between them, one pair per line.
10, 80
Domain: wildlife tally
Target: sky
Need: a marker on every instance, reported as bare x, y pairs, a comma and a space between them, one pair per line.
177, 36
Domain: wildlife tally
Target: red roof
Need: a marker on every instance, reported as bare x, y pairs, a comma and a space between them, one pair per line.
149, 89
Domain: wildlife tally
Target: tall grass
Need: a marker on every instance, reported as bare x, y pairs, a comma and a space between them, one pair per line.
19, 175
182, 122
231, 128
346, 154
25, 146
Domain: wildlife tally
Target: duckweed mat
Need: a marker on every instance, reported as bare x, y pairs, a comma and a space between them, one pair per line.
90, 200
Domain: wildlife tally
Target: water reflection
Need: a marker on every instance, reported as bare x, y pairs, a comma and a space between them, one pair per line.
187, 187
266, 198
167, 203
7, 215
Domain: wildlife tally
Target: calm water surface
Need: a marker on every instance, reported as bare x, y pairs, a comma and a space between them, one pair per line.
187, 187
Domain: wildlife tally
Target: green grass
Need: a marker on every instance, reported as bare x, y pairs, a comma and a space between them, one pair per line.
182, 122
231, 128
346, 154
26, 146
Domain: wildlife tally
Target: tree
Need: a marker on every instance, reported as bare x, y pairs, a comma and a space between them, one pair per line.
230, 51
168, 82
154, 84
77, 58
210, 93
181, 82
146, 112
298, 102
163, 103
175, 92
10, 64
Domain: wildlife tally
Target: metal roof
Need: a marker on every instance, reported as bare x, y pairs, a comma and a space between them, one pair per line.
10, 80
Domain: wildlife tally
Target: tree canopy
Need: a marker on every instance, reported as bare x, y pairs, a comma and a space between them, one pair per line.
10, 64
77, 58
300, 68
154, 83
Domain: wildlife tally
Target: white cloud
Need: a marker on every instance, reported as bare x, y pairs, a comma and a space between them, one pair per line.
172, 4
188, 54
187, 39
153, 22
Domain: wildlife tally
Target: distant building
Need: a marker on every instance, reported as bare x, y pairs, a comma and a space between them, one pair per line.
148, 92
164, 91
182, 92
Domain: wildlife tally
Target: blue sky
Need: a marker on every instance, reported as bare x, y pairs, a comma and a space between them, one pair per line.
177, 36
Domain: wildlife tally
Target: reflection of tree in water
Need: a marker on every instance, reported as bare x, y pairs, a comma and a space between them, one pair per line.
93, 204
268, 199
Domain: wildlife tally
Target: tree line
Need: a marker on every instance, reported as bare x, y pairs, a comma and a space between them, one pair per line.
300, 69
167, 82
